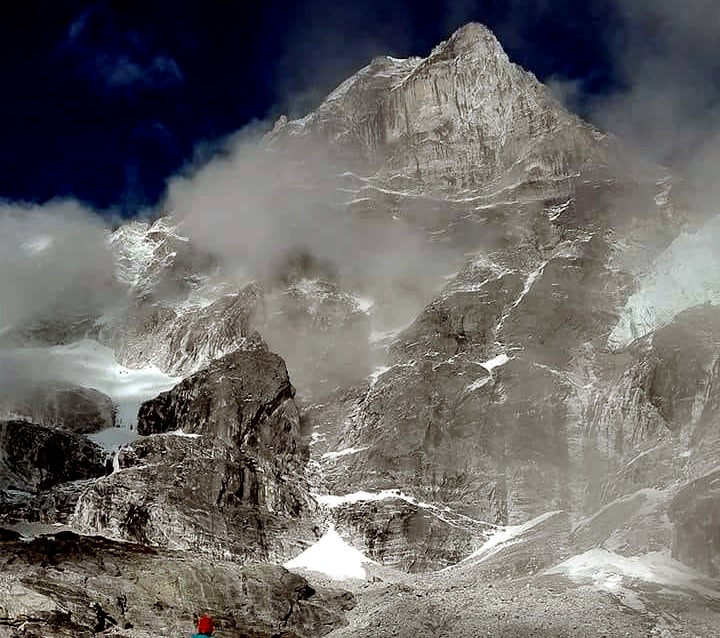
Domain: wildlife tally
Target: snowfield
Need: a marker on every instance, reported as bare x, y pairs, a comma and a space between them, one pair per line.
608, 571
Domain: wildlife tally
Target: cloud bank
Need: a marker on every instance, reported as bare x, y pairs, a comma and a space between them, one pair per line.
52, 257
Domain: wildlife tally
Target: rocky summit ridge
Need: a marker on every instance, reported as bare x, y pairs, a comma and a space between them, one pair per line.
515, 435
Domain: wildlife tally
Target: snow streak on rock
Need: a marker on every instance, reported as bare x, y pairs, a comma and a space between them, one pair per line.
505, 536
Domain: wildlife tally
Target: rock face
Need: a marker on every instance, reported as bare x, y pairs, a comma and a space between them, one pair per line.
43, 471
70, 585
221, 469
501, 400
35, 458
157, 263
60, 405
181, 341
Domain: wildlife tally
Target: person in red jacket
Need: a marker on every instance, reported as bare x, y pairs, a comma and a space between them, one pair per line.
205, 627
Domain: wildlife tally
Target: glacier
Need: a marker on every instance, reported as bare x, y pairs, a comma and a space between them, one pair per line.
686, 274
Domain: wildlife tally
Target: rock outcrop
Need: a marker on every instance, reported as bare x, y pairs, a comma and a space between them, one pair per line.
221, 470
36, 458
44, 470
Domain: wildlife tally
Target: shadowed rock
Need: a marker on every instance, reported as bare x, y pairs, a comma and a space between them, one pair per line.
36, 458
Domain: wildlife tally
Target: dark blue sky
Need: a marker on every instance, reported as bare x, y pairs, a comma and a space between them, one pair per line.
103, 101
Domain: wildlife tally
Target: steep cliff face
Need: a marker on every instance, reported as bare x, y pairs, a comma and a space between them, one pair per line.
181, 341
220, 468
463, 118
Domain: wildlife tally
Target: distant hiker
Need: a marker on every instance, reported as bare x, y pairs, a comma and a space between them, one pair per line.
205, 627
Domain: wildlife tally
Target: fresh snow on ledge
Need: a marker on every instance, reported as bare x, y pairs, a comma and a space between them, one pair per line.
495, 362
344, 452
332, 556
331, 500
187, 435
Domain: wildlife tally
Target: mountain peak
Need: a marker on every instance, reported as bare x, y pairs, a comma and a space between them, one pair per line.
456, 120
472, 37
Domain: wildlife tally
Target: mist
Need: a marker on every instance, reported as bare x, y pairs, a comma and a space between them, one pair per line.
667, 58
259, 210
51, 256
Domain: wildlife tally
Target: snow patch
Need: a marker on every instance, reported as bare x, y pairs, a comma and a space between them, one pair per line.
365, 304
495, 362
345, 452
477, 384
332, 556
687, 274
506, 536
187, 435
608, 571
332, 501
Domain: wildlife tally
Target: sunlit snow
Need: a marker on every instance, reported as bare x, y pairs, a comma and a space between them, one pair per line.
477, 384
344, 452
365, 304
495, 362
332, 556
331, 500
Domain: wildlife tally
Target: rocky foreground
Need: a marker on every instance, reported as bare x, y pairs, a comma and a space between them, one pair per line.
70, 585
